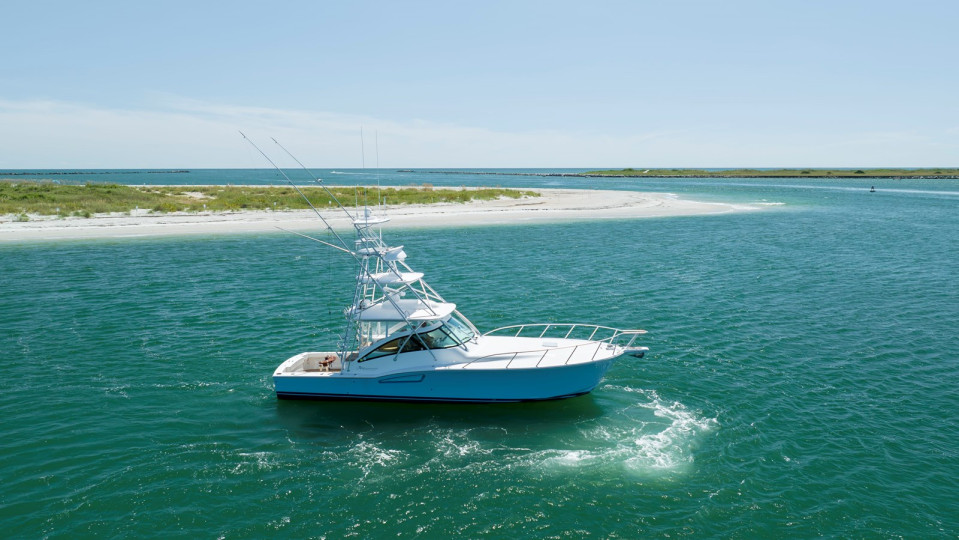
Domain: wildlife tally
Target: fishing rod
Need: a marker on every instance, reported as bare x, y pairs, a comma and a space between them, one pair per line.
334, 246
346, 339
305, 198
332, 196
315, 178
391, 267
388, 297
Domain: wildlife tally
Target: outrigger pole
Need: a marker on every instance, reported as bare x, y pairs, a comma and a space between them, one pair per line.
332, 196
314, 177
379, 252
334, 246
346, 247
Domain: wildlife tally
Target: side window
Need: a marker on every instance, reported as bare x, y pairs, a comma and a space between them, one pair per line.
413, 345
387, 349
409, 344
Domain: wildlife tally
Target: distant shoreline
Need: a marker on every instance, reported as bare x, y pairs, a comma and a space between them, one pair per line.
96, 172
926, 173
552, 206
893, 174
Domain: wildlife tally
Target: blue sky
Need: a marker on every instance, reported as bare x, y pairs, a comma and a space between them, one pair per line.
485, 84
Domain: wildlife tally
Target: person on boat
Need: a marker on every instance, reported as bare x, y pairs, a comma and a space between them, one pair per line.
327, 361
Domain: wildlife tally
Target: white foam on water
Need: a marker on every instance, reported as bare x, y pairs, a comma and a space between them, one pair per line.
569, 458
278, 524
753, 206
371, 458
118, 390
672, 447
457, 443
456, 449
257, 460
636, 445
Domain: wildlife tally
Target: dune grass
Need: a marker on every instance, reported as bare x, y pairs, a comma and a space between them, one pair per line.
47, 198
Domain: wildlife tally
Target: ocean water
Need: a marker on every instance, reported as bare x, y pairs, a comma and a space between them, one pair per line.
802, 379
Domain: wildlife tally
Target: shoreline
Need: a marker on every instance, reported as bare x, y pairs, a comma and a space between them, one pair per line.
794, 173
552, 206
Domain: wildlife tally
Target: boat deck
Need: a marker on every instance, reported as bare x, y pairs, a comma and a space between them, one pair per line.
312, 362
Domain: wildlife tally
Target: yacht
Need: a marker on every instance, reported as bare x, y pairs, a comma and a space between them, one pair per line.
402, 341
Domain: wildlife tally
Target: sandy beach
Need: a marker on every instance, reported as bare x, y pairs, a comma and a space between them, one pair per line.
554, 205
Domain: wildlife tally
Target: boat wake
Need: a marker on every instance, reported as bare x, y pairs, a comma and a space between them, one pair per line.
647, 437
642, 437
660, 438
372, 458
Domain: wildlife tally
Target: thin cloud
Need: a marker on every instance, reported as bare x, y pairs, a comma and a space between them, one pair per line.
188, 133
178, 132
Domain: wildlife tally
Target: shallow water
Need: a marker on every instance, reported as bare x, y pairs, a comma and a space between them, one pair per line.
801, 379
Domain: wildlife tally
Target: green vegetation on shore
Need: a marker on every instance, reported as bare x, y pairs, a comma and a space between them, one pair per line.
47, 198
785, 173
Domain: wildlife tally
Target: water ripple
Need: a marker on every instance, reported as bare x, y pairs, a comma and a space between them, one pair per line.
800, 382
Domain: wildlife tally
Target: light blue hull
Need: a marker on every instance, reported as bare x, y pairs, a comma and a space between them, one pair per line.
449, 385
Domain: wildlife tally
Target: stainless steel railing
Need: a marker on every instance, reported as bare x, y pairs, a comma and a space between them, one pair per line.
576, 330
616, 338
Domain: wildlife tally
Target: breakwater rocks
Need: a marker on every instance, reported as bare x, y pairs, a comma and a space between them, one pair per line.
589, 175
62, 173
500, 173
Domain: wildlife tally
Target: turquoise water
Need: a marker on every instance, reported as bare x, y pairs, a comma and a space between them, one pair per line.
801, 381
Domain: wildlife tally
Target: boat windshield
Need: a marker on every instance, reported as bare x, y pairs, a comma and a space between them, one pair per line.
459, 330
447, 335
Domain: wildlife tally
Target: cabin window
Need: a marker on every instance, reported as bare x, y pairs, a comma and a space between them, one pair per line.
399, 345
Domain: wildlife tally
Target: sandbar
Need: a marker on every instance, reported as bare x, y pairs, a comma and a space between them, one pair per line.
553, 205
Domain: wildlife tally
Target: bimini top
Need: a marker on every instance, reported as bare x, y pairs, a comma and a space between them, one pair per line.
409, 309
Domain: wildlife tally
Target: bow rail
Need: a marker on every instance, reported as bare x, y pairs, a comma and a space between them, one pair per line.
614, 336
609, 338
